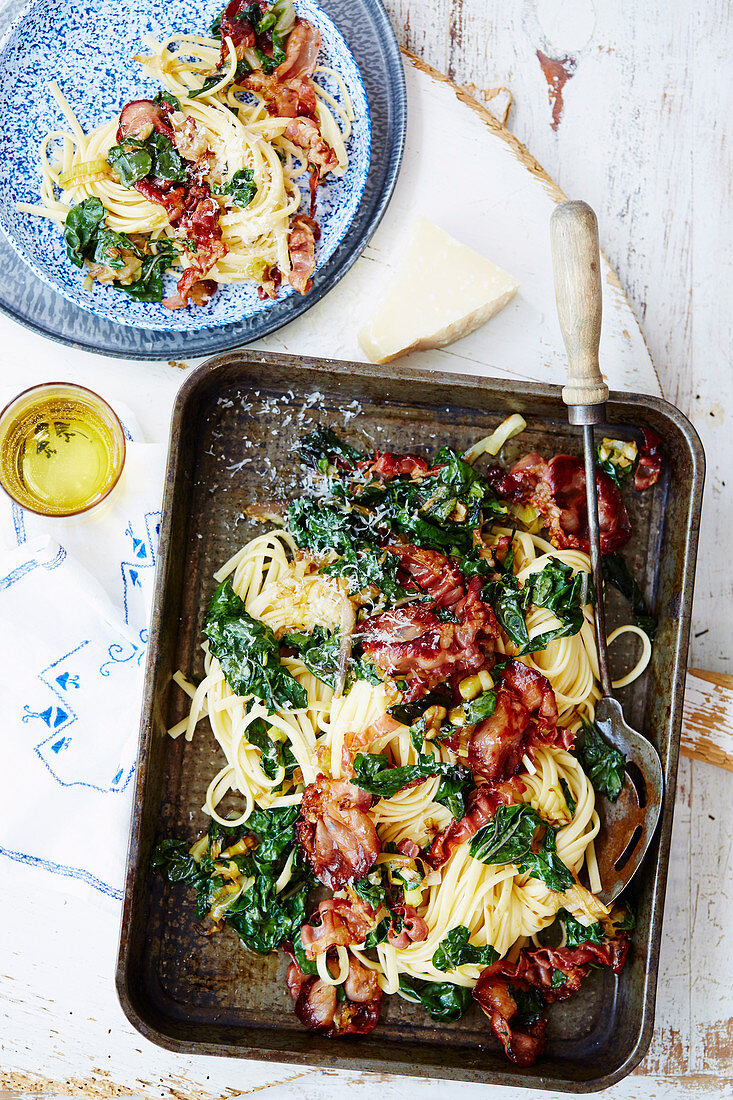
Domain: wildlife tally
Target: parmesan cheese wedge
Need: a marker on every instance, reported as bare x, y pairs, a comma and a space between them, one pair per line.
441, 291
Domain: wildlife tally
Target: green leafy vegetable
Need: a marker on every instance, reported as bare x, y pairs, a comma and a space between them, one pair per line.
167, 97
628, 921
148, 286
248, 653
569, 800
321, 446
131, 160
530, 1005
604, 765
374, 774
617, 458
455, 950
262, 917
108, 248
273, 754
553, 587
617, 573
327, 526
577, 933
319, 652
453, 789
371, 888
361, 568
213, 80
157, 156
241, 187
379, 933
408, 713
483, 706
167, 162
558, 979
81, 227
441, 1000
512, 837
308, 966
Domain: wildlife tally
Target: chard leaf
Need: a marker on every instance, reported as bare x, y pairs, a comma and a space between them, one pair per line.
262, 917
408, 713
455, 950
374, 774
371, 889
319, 652
166, 160
512, 836
81, 227
441, 1000
483, 706
604, 765
249, 654
361, 568
131, 160
322, 446
148, 287
577, 933
241, 187
167, 97
572, 805
530, 1005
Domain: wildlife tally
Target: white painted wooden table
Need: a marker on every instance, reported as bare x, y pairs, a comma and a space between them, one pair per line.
641, 137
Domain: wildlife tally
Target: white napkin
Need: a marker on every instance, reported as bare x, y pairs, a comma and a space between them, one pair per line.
75, 598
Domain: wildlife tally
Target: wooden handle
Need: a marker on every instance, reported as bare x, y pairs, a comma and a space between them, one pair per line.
707, 724
577, 265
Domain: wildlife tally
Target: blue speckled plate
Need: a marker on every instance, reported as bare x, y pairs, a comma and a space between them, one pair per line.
92, 42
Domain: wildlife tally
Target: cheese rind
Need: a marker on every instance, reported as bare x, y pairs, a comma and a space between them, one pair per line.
441, 291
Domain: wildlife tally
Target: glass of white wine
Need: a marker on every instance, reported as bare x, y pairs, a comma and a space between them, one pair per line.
62, 449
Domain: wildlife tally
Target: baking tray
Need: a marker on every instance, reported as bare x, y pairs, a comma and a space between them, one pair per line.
208, 995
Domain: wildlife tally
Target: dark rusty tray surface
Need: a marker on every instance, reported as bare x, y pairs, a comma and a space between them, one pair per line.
208, 995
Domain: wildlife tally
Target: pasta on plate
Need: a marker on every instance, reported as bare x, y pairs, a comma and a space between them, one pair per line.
206, 176
402, 679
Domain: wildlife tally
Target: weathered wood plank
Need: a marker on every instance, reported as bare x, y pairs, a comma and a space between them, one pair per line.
707, 730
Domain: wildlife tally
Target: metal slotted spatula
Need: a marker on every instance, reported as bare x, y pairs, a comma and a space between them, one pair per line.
628, 824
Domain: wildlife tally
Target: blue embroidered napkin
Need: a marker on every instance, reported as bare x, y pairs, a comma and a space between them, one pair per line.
75, 600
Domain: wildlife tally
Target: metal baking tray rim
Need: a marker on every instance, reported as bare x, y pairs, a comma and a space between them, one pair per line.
402, 375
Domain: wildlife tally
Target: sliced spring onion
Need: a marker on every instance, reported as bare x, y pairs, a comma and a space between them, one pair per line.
492, 444
87, 172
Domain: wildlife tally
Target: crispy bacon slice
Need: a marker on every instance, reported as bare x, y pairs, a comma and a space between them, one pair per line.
412, 640
304, 233
306, 134
557, 490
172, 199
649, 465
389, 465
525, 713
318, 1007
522, 1045
535, 970
336, 832
141, 116
301, 52
536, 694
234, 25
340, 923
283, 99
482, 804
414, 929
191, 288
431, 571
497, 744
